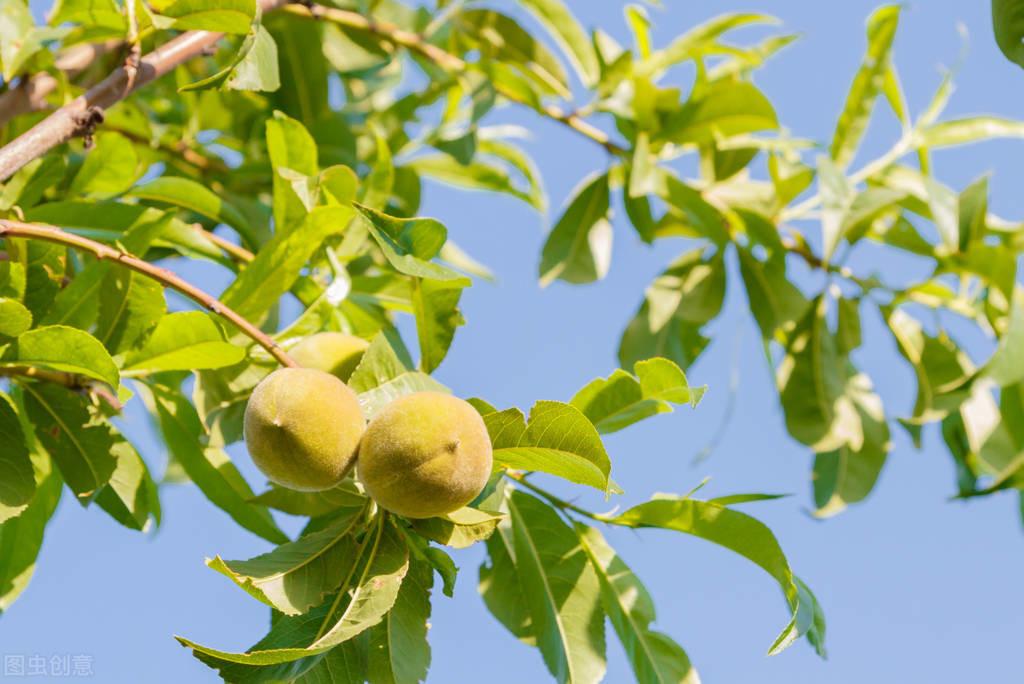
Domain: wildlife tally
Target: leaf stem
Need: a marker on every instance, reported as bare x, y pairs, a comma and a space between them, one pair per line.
451, 63
376, 534
17, 229
520, 478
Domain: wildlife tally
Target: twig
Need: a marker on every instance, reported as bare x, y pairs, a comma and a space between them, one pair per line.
76, 117
448, 62
236, 252
70, 380
17, 229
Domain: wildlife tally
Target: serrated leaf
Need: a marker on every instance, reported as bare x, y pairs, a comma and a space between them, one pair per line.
459, 529
289, 146
476, 175
131, 305
17, 481
561, 591
298, 575
436, 307
558, 440
80, 448
225, 16
399, 651
311, 504
60, 348
744, 535
111, 167
21, 537
654, 656
130, 497
622, 399
373, 594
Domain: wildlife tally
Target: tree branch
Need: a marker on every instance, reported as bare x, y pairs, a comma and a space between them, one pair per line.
82, 114
30, 95
73, 382
17, 229
448, 62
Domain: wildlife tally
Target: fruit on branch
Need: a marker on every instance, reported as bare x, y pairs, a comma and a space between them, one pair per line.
332, 352
302, 427
425, 454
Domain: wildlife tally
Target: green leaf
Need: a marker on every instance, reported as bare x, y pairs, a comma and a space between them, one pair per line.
501, 38
21, 537
702, 40
654, 656
186, 340
968, 130
131, 305
14, 317
561, 591
578, 249
722, 110
867, 85
570, 36
476, 175
130, 497
225, 16
1006, 366
311, 504
687, 295
459, 529
281, 260
373, 594
88, 13
373, 400
17, 481
60, 348
193, 196
436, 306
774, 301
289, 146
209, 468
1008, 22
81, 449
744, 535
298, 575
621, 399
558, 440
399, 651
409, 244
258, 68
111, 167
499, 579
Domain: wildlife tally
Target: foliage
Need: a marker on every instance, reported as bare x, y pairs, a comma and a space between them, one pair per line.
302, 141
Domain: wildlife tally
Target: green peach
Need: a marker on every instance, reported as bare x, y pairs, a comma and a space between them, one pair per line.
303, 427
332, 352
424, 455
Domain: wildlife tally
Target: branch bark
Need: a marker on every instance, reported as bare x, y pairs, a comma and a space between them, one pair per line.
84, 112
17, 229
30, 95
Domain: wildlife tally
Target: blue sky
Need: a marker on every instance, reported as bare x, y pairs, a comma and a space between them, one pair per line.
915, 588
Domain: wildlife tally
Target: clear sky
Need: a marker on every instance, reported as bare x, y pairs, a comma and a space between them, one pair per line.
915, 588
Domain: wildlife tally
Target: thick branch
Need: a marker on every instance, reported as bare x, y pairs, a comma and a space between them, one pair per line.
85, 111
17, 229
448, 62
